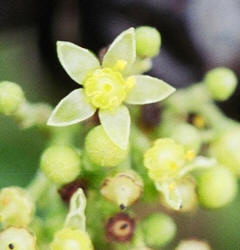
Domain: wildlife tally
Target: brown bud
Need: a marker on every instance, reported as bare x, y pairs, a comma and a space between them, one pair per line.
120, 228
66, 192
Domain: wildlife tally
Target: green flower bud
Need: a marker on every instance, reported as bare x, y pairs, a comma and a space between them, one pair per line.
11, 96
17, 239
101, 150
148, 41
187, 135
164, 160
16, 208
226, 150
217, 187
68, 238
221, 83
193, 244
123, 189
61, 164
158, 229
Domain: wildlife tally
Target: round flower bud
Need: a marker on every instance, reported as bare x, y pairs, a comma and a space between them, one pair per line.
120, 228
158, 229
164, 159
68, 238
17, 239
123, 189
217, 187
11, 96
16, 208
148, 41
226, 150
187, 135
221, 83
61, 164
101, 150
193, 244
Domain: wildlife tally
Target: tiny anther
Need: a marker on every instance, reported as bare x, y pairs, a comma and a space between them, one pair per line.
11, 246
122, 206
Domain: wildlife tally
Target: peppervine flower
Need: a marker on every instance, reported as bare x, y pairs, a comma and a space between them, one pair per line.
167, 163
106, 87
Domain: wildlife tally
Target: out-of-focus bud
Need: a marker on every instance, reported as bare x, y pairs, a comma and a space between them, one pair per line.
61, 164
193, 245
68, 238
226, 150
158, 229
164, 160
120, 228
11, 97
123, 189
101, 150
221, 83
16, 208
148, 41
17, 239
216, 187
187, 135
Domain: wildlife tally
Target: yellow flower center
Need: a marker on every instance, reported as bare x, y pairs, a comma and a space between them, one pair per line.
107, 89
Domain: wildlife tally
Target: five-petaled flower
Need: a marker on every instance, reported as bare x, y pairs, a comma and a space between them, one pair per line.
106, 87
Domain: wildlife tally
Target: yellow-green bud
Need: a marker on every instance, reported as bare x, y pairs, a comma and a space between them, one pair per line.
123, 189
68, 238
61, 164
17, 239
226, 150
101, 150
164, 159
148, 41
11, 97
193, 245
158, 229
221, 83
16, 208
217, 187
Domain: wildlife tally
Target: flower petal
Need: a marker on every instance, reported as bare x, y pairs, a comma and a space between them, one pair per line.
78, 62
71, 109
116, 125
123, 48
171, 194
148, 89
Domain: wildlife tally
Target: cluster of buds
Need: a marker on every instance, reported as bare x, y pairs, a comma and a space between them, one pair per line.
111, 186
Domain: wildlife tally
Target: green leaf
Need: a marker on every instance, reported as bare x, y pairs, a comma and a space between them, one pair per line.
71, 109
171, 194
123, 48
78, 62
116, 125
148, 89
76, 218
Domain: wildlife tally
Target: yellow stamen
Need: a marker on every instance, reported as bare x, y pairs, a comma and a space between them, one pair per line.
172, 186
120, 65
199, 121
190, 155
130, 82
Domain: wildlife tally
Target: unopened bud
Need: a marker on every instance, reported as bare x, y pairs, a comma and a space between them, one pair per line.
16, 208
193, 245
17, 239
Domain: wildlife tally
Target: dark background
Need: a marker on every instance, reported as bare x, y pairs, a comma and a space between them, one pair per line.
196, 35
